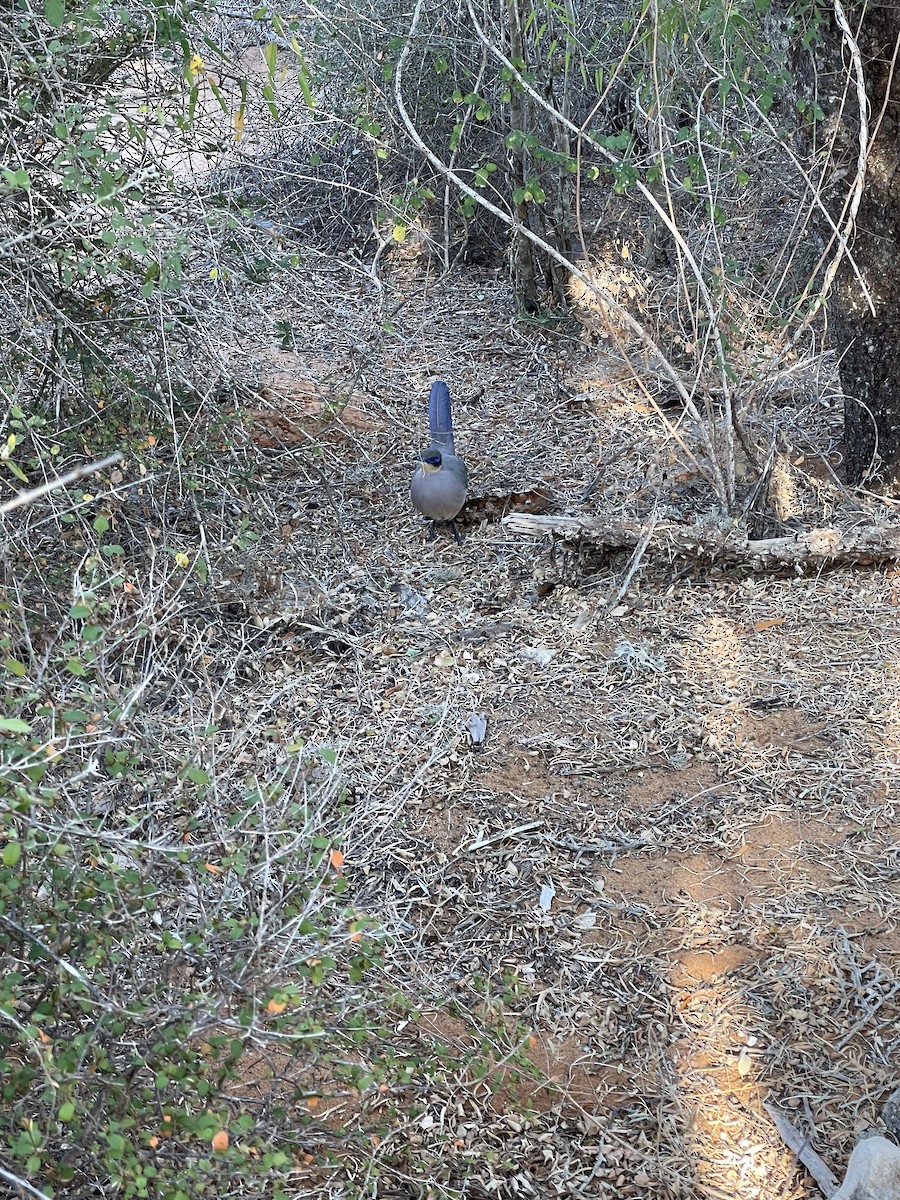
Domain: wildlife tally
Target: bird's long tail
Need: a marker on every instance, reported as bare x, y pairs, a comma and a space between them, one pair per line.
440, 418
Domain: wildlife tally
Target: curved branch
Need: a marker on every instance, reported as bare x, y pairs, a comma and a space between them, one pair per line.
854, 198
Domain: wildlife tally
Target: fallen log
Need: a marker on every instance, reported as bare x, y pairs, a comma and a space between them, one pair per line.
812, 547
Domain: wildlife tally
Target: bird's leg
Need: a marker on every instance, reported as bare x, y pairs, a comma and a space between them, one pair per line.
432, 532
457, 535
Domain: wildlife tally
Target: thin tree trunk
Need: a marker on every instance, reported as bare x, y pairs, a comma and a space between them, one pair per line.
523, 265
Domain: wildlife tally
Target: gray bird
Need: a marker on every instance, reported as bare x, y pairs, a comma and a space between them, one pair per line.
439, 484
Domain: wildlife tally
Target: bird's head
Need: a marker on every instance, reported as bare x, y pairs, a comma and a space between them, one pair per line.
431, 460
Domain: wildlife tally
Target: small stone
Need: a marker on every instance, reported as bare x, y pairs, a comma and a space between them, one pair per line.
873, 1172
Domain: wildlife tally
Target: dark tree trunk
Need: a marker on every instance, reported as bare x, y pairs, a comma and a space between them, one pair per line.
538, 280
869, 345
523, 253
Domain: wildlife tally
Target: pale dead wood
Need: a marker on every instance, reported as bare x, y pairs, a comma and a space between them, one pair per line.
81, 472
825, 1178
22, 1184
873, 543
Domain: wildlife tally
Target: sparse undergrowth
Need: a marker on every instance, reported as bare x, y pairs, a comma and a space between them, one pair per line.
163, 905
272, 924
193, 1001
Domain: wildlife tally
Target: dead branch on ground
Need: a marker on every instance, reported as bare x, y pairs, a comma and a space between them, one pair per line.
812, 547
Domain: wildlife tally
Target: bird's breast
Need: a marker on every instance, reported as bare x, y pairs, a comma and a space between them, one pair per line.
440, 494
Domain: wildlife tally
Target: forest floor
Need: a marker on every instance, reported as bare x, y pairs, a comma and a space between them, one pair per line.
667, 877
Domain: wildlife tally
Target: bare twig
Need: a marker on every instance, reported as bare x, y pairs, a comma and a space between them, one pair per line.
19, 1182
52, 485
481, 842
636, 557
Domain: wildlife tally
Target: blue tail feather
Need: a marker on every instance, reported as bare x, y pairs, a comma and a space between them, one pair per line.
440, 418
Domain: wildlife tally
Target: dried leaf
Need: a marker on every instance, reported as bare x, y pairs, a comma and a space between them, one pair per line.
540, 655
762, 626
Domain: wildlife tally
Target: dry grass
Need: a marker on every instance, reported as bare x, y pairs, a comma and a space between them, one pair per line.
679, 837
663, 890
659, 894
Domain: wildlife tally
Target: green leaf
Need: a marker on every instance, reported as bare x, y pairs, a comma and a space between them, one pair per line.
196, 775
218, 93
17, 471
55, 12
15, 667
270, 54
101, 524
12, 852
116, 1144
75, 667
66, 1111
17, 179
14, 725
303, 76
